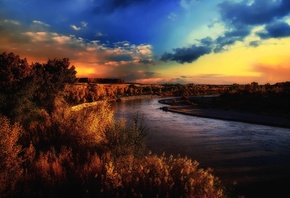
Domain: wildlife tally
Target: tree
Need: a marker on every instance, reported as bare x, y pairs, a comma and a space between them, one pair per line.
52, 78
10, 166
25, 88
16, 87
12, 69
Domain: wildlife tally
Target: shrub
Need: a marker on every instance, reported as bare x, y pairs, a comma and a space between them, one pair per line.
154, 176
127, 139
81, 130
86, 128
10, 160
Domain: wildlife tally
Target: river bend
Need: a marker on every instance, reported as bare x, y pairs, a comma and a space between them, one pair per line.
251, 160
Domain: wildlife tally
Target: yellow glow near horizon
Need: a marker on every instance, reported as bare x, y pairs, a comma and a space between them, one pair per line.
274, 60
239, 61
83, 71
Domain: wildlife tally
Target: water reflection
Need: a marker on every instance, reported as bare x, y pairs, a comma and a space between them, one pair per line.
240, 153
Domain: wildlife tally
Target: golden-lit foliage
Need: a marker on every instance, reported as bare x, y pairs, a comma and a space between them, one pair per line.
82, 92
87, 127
127, 140
80, 129
125, 176
49, 167
154, 176
86, 152
10, 167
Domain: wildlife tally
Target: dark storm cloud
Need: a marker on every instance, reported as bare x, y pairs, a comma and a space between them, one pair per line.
259, 12
182, 55
275, 30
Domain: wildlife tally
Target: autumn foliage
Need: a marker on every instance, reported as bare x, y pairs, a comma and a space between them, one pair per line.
59, 152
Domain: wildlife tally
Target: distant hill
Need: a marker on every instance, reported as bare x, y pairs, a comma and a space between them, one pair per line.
100, 80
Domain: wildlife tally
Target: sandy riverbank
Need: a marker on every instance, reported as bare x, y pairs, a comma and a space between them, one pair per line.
121, 99
137, 97
225, 114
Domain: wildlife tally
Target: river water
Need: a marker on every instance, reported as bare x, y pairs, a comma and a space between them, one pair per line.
250, 160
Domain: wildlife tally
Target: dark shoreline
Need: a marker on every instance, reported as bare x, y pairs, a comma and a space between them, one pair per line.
221, 114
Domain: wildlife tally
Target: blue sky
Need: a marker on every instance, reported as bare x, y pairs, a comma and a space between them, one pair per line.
150, 41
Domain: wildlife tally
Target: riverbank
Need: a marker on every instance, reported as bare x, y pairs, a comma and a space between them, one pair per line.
231, 115
137, 97
120, 99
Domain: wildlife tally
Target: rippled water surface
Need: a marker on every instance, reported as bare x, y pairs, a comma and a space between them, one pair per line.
244, 156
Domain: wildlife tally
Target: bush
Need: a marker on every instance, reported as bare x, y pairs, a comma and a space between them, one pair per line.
127, 139
154, 176
10, 166
84, 129
61, 174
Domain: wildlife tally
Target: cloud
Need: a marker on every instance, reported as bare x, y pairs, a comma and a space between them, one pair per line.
186, 4
139, 75
109, 6
9, 32
84, 24
254, 43
273, 73
99, 34
182, 55
246, 15
275, 30
229, 38
146, 61
119, 57
240, 18
76, 28
40, 23
253, 12
14, 22
172, 16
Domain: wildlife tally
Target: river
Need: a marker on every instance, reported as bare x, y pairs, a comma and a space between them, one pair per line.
250, 160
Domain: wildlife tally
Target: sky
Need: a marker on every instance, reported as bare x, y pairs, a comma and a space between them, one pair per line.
154, 41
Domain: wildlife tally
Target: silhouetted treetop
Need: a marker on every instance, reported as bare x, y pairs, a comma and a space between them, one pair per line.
12, 69
54, 74
24, 87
